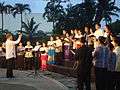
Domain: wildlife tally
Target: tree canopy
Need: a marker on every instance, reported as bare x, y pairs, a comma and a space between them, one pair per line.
88, 12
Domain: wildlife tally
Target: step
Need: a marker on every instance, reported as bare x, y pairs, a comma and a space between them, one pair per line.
67, 71
69, 64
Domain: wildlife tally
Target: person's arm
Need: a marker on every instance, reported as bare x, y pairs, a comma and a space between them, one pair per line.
18, 40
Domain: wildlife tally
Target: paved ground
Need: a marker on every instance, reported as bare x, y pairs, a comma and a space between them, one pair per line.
26, 80
69, 82
43, 81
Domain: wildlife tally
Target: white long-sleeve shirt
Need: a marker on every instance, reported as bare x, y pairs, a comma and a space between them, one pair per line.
10, 48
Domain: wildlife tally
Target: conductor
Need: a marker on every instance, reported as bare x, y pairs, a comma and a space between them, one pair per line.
11, 53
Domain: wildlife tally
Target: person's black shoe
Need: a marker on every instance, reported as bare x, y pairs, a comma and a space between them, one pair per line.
10, 76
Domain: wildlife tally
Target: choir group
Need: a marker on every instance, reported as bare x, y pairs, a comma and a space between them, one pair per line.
62, 48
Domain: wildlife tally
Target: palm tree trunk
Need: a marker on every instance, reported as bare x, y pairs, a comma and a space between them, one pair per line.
21, 21
2, 22
53, 25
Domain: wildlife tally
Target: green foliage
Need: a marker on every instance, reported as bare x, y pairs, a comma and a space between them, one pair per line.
4, 9
106, 9
30, 27
88, 12
2, 34
116, 27
54, 11
20, 9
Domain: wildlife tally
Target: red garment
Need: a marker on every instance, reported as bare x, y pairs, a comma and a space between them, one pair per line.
44, 59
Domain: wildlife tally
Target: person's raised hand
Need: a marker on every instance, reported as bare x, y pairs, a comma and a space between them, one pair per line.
20, 34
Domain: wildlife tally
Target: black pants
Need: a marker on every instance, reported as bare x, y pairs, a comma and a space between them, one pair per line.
10, 67
29, 64
84, 79
101, 78
58, 58
110, 80
2, 62
117, 80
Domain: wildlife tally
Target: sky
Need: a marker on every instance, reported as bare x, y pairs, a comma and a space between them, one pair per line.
37, 6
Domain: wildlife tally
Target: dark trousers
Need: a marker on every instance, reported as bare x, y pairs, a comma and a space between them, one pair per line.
10, 67
117, 80
101, 78
28, 63
84, 79
2, 62
110, 80
58, 58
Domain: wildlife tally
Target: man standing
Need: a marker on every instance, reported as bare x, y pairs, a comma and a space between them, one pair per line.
83, 58
11, 53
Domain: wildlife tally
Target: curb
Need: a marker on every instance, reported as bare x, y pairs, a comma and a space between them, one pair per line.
57, 82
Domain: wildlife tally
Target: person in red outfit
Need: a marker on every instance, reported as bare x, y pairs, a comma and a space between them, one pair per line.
44, 59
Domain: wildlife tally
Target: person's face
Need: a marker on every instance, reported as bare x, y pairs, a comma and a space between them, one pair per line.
97, 26
11, 37
67, 35
51, 38
64, 32
79, 32
86, 29
72, 32
37, 43
91, 31
94, 39
28, 43
75, 31
106, 29
20, 44
43, 44
57, 38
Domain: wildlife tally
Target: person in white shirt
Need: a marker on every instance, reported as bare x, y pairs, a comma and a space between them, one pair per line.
11, 53
99, 31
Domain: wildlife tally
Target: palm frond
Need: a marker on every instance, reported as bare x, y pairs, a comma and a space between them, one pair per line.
35, 28
27, 9
113, 14
31, 23
14, 14
25, 26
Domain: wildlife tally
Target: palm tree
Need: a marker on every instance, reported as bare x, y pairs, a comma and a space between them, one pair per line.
4, 9
30, 27
20, 9
105, 9
54, 11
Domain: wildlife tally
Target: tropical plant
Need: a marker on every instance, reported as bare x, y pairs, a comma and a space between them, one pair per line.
54, 11
20, 9
115, 27
30, 27
4, 9
105, 9
77, 16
